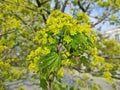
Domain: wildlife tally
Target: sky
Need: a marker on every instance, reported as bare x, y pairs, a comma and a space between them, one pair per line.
106, 26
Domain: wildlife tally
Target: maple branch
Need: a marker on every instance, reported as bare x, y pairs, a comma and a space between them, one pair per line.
7, 33
81, 7
102, 19
43, 16
20, 19
64, 5
56, 4
45, 2
87, 7
115, 57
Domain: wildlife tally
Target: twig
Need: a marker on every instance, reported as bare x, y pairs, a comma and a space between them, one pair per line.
81, 7
7, 33
56, 4
102, 19
64, 5
39, 5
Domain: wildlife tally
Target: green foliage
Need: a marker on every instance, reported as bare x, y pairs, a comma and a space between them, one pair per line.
2, 86
114, 48
95, 87
48, 64
48, 38
56, 52
110, 49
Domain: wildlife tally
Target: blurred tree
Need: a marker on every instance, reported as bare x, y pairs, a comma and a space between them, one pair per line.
110, 50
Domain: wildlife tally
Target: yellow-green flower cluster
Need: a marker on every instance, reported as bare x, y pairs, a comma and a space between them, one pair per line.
61, 72
1, 16
68, 39
61, 24
80, 83
107, 66
106, 3
38, 52
93, 36
82, 17
66, 25
100, 63
95, 51
66, 62
60, 29
4, 65
41, 37
51, 40
107, 75
33, 66
2, 48
35, 57
45, 51
54, 29
97, 61
10, 24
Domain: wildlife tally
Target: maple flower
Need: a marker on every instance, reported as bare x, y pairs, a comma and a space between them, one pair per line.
67, 39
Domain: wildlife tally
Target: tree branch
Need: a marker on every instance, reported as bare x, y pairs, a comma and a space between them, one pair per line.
39, 5
87, 7
81, 7
45, 2
56, 4
99, 21
7, 33
48, 12
115, 57
64, 5
102, 19
20, 19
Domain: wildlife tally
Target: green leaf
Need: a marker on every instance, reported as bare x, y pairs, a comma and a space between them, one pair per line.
50, 62
43, 83
81, 40
84, 60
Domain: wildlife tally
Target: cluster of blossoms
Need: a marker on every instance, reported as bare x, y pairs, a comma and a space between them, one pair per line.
61, 43
4, 65
100, 63
36, 56
10, 23
61, 28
